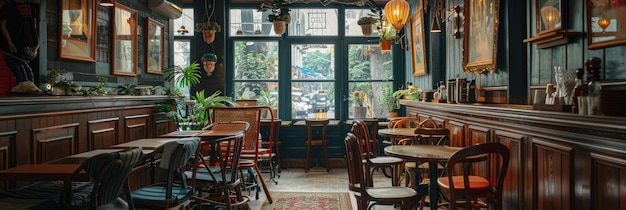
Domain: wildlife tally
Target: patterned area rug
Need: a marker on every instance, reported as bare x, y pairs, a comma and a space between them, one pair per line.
308, 200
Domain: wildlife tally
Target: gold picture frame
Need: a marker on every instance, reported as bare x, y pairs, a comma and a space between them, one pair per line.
155, 46
124, 30
480, 35
77, 30
605, 24
418, 51
548, 15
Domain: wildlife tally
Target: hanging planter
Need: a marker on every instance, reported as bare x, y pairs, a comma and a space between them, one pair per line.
385, 45
280, 27
208, 36
208, 30
208, 63
366, 25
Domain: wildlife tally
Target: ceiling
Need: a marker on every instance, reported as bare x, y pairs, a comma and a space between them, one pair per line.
302, 1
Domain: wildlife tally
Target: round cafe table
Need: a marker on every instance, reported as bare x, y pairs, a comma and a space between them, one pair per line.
433, 154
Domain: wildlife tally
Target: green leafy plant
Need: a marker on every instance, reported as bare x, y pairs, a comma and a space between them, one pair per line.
265, 99
280, 11
127, 90
192, 114
184, 77
98, 90
388, 100
209, 57
385, 31
411, 93
366, 20
209, 25
357, 97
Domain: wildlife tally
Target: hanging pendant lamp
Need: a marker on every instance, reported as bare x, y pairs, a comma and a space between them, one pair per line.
397, 12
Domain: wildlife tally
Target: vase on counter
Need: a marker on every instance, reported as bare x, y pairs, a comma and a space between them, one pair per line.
359, 112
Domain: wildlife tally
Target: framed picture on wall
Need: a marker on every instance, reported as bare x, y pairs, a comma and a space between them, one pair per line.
155, 41
124, 53
480, 35
77, 30
418, 51
606, 23
548, 16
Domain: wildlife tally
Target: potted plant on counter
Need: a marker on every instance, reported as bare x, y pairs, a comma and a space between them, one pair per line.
411, 93
389, 101
208, 30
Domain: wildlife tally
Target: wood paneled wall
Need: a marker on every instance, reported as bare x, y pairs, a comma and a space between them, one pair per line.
558, 160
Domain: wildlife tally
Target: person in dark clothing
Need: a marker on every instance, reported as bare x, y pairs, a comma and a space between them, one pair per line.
19, 39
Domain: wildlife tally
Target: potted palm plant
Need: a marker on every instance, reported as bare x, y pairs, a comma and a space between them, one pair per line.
366, 25
208, 62
184, 77
208, 30
280, 15
265, 99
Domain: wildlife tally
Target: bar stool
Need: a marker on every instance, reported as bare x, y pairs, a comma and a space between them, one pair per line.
319, 140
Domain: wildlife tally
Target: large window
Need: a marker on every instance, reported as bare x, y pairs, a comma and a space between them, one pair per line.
183, 34
316, 66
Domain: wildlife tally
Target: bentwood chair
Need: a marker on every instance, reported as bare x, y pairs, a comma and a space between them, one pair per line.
171, 189
361, 131
251, 143
217, 181
465, 188
317, 139
368, 195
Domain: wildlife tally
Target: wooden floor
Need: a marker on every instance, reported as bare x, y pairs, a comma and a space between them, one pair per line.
317, 180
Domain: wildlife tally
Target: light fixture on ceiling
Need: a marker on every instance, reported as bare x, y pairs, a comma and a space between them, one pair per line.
107, 3
453, 17
182, 30
397, 12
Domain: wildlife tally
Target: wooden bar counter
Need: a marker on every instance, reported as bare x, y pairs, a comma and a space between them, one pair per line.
558, 160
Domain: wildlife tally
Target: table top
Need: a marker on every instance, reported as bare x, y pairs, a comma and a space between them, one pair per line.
149, 144
421, 152
395, 132
330, 122
203, 133
42, 172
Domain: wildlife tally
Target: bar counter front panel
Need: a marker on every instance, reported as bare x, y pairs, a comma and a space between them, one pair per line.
558, 160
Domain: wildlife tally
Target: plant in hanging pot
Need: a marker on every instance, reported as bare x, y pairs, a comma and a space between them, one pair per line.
208, 62
366, 25
385, 33
280, 15
208, 30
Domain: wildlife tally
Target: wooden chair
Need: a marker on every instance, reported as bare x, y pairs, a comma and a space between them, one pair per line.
217, 182
251, 143
266, 151
107, 172
316, 140
464, 188
368, 195
360, 130
171, 189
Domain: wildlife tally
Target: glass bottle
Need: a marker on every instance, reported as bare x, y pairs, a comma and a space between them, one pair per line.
579, 90
443, 93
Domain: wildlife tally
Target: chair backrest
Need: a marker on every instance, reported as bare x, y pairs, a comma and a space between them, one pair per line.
310, 123
496, 155
361, 132
358, 172
108, 173
174, 157
430, 123
250, 115
432, 136
405, 123
228, 159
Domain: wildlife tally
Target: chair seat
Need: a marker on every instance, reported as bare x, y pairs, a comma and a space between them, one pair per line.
50, 190
411, 165
386, 160
391, 192
157, 193
476, 182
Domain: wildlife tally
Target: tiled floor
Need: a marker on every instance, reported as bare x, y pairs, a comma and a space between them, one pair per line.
317, 180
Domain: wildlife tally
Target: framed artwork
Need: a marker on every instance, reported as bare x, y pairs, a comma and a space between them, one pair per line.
124, 30
418, 51
548, 15
155, 41
480, 35
77, 30
606, 23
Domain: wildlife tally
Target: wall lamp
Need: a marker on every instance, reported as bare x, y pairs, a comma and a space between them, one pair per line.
446, 15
